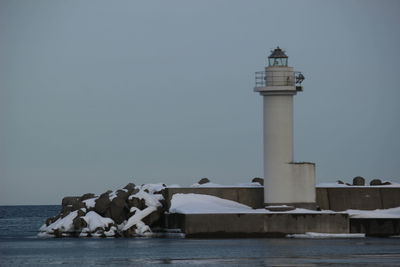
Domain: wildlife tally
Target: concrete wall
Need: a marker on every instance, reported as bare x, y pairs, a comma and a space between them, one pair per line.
337, 199
257, 225
362, 198
376, 227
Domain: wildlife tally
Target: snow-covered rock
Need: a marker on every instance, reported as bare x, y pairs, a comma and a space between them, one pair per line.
130, 211
95, 221
149, 198
90, 203
62, 225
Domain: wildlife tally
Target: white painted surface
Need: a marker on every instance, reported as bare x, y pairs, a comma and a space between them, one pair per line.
278, 147
284, 181
303, 180
279, 76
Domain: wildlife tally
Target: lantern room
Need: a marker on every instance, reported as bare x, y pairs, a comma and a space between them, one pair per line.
278, 58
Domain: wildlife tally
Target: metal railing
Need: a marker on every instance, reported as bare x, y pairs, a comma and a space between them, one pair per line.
284, 80
260, 79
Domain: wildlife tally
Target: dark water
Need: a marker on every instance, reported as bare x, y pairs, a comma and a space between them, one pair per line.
20, 247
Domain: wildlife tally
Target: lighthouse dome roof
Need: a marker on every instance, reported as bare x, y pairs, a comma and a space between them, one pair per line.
278, 53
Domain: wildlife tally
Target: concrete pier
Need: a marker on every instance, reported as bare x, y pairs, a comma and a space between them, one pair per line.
280, 224
257, 225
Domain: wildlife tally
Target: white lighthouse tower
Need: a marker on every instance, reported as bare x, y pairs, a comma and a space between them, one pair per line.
285, 181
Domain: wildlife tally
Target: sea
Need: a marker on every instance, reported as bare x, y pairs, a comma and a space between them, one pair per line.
20, 246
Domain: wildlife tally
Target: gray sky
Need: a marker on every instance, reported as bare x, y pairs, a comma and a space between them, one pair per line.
93, 93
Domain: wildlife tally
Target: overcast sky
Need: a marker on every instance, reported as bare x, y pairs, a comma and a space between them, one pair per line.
96, 94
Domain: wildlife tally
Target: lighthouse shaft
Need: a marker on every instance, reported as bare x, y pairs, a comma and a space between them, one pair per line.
278, 128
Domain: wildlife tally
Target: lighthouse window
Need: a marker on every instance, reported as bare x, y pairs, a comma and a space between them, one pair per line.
281, 62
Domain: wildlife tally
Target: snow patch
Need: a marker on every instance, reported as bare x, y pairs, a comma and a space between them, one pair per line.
384, 213
136, 220
90, 203
150, 199
206, 204
227, 186
63, 224
95, 221
325, 235
153, 188
112, 195
198, 203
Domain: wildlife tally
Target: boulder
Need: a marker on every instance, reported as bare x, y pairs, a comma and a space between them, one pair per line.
108, 213
376, 182
137, 203
119, 210
78, 205
258, 180
152, 218
79, 223
122, 194
67, 208
339, 182
81, 213
57, 233
52, 219
203, 181
386, 183
130, 232
164, 206
102, 204
358, 181
136, 190
130, 187
69, 201
87, 196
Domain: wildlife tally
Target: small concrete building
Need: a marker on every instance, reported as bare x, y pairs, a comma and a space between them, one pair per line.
286, 182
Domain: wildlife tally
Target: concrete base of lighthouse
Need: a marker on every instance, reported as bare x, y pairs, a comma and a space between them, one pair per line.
300, 190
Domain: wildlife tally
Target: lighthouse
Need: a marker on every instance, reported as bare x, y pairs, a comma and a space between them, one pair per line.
286, 183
